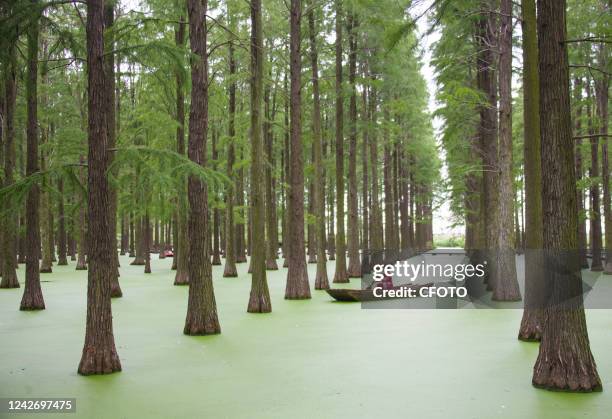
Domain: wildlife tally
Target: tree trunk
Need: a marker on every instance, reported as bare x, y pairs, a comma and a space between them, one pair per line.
61, 251
532, 322
297, 275
341, 275
147, 233
230, 230
506, 284
602, 87
595, 214
488, 133
181, 248
376, 229
565, 361
321, 279
270, 196
32, 293
582, 234
201, 309
216, 257
9, 223
354, 266
46, 224
259, 299
99, 353
111, 125
365, 236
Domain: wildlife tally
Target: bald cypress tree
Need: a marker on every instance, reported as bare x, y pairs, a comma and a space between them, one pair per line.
202, 308
259, 300
99, 353
297, 275
32, 293
565, 361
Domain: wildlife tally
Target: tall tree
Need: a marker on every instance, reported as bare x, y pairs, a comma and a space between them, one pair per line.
111, 130
297, 275
230, 231
99, 352
181, 249
506, 286
32, 293
341, 274
202, 308
354, 267
564, 361
531, 324
8, 231
259, 300
321, 279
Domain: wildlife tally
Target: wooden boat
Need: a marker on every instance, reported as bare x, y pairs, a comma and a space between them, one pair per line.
354, 295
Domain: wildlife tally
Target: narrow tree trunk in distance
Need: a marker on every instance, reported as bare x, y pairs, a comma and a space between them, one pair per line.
354, 266
46, 224
99, 353
216, 257
270, 209
582, 234
32, 293
341, 275
230, 231
147, 231
564, 361
321, 279
595, 214
297, 275
201, 308
61, 251
532, 321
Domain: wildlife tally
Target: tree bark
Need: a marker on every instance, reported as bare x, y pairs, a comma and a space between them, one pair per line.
216, 256
181, 248
32, 293
582, 232
506, 283
297, 275
341, 275
595, 210
321, 279
99, 352
230, 229
532, 321
111, 126
259, 299
354, 266
9, 223
61, 251
564, 361
270, 196
201, 309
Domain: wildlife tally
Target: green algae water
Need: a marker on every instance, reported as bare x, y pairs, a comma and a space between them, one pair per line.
307, 359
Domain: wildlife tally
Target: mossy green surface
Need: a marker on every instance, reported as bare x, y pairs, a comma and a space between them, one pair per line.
307, 359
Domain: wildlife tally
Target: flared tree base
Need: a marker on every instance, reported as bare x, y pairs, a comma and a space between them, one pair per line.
46, 270
297, 287
312, 259
9, 280
341, 277
259, 302
62, 262
201, 326
96, 361
230, 271
32, 301
181, 278
531, 326
216, 261
321, 280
